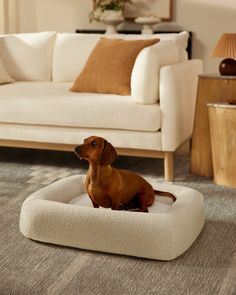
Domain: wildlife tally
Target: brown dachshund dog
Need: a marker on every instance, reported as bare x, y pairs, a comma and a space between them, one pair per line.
108, 187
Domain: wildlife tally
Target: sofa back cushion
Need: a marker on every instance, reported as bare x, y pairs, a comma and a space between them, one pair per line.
28, 56
72, 51
179, 39
70, 55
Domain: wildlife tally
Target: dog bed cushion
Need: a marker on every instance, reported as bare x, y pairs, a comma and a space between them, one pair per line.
62, 214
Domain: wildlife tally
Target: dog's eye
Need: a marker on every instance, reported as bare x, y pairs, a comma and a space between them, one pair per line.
94, 144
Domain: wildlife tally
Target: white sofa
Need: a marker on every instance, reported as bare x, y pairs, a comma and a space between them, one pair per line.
37, 110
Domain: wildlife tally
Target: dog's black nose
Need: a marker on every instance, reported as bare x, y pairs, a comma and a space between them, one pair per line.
77, 149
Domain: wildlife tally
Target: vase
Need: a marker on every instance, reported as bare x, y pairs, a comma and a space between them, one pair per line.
112, 18
147, 23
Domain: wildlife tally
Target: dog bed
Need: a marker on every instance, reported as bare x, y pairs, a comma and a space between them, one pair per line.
62, 214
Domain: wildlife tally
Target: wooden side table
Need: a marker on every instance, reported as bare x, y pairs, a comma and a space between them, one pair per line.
222, 119
211, 88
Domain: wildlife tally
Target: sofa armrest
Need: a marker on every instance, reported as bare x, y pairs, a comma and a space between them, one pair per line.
178, 89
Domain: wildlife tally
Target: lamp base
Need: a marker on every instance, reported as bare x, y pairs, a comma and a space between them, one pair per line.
228, 67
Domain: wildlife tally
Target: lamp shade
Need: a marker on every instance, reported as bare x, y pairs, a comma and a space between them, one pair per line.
226, 46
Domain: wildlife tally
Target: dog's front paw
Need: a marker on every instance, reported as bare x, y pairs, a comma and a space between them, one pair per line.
123, 207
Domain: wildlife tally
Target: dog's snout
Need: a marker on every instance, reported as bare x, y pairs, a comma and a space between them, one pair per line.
77, 149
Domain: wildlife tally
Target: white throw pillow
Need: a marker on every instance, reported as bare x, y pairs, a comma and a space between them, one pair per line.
4, 76
28, 57
145, 74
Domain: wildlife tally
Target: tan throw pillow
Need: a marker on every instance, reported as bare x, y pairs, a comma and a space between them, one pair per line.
109, 66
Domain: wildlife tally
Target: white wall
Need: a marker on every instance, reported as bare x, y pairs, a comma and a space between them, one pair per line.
207, 19
27, 16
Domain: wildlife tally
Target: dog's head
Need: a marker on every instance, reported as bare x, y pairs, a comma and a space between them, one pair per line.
98, 150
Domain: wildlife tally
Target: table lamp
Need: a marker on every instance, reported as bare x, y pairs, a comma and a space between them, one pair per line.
226, 47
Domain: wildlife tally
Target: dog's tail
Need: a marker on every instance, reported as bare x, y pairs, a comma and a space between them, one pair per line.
165, 194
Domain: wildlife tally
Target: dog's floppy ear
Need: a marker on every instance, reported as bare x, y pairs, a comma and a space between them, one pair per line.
109, 154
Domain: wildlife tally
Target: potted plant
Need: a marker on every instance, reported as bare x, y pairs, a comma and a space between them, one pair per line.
108, 11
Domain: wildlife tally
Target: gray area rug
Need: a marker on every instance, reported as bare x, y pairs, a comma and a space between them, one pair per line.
29, 267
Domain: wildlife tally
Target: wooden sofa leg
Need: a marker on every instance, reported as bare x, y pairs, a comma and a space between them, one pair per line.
169, 166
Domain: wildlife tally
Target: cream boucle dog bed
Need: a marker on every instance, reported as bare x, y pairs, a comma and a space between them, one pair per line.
62, 214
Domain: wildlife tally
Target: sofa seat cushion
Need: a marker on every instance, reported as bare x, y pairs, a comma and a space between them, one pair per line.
52, 104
